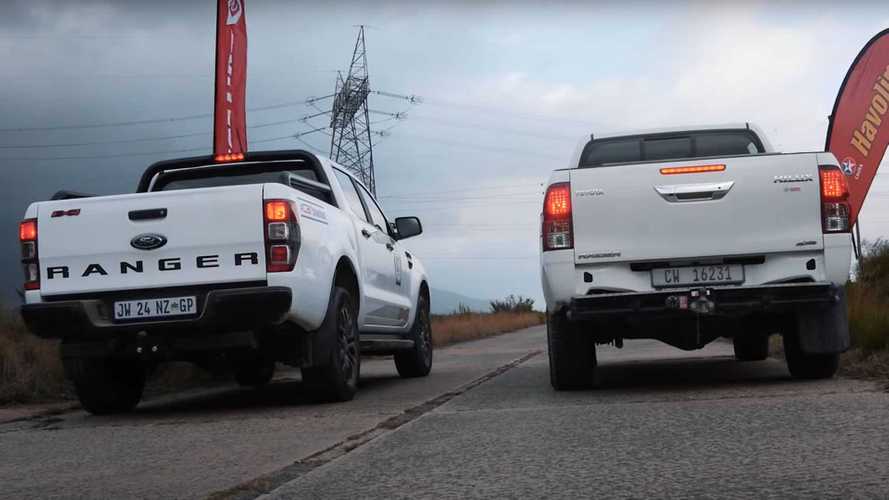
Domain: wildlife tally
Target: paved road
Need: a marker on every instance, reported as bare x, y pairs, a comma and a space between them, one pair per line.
486, 424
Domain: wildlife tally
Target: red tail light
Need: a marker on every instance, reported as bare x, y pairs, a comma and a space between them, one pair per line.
834, 195
282, 236
557, 229
30, 263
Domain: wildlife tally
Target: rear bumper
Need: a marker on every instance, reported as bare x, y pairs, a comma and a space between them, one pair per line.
222, 312
716, 301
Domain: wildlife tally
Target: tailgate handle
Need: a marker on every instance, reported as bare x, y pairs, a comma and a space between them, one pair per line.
694, 192
148, 214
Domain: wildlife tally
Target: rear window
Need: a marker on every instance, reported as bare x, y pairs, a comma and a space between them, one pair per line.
231, 180
634, 149
664, 149
205, 177
612, 151
726, 144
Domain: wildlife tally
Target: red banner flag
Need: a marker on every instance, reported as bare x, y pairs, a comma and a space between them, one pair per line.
858, 133
229, 115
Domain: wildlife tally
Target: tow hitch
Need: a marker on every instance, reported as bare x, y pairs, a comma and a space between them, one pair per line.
697, 300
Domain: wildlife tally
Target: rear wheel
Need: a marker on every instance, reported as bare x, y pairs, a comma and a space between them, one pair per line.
106, 386
751, 347
572, 354
417, 362
808, 366
337, 379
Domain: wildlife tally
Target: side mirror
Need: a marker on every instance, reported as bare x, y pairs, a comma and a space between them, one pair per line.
408, 227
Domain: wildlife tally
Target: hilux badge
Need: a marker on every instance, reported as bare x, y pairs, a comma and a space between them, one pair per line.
148, 241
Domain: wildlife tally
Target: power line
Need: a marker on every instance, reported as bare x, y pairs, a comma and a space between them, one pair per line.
142, 122
465, 190
125, 155
493, 110
100, 143
143, 139
495, 149
464, 125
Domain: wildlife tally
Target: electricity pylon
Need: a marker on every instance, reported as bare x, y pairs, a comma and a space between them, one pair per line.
351, 143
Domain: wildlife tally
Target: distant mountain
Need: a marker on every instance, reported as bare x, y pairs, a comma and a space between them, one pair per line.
445, 302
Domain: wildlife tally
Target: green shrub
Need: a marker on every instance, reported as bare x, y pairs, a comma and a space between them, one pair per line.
513, 303
868, 298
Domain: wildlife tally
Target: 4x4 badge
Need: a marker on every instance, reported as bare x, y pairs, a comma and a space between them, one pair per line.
148, 241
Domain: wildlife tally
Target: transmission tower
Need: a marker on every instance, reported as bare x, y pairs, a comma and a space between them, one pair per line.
351, 143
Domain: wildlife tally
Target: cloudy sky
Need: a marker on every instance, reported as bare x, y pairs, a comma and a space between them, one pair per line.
508, 90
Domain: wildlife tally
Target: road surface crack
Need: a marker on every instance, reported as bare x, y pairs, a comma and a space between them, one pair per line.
268, 482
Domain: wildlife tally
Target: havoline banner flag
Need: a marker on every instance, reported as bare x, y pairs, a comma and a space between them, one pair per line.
229, 114
858, 132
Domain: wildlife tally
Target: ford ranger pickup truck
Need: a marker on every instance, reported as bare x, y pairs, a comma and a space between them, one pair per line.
686, 236
236, 262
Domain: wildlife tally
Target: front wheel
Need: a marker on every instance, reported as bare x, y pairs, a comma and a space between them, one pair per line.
106, 386
337, 379
417, 362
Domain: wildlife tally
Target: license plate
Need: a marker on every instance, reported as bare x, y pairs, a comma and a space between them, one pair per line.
698, 275
155, 308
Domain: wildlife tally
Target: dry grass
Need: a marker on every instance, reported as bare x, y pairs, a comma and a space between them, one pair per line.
868, 317
468, 326
30, 368
858, 363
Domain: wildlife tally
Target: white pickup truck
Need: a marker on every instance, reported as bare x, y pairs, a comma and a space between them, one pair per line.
276, 257
686, 236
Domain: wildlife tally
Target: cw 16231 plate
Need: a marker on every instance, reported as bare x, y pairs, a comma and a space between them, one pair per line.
155, 308
719, 274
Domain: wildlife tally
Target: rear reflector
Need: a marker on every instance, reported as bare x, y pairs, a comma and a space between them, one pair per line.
697, 169
557, 231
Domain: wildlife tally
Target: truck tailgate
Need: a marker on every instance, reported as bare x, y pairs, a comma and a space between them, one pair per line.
205, 230
754, 205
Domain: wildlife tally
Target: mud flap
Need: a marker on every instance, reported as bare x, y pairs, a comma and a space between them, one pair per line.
824, 329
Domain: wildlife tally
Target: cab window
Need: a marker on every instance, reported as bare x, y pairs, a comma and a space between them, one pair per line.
353, 200
376, 214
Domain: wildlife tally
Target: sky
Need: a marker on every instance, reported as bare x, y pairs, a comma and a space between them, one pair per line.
508, 90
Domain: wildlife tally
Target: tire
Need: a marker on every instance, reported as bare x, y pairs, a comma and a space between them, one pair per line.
808, 366
572, 355
751, 347
106, 386
417, 362
337, 379
254, 372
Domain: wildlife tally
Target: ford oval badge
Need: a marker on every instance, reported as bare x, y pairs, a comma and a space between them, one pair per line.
148, 241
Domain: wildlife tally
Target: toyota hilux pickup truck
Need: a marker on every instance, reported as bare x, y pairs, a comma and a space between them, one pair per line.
686, 236
238, 261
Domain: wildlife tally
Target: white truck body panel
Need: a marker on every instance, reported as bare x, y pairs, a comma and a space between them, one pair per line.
224, 221
623, 214
218, 222
632, 221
